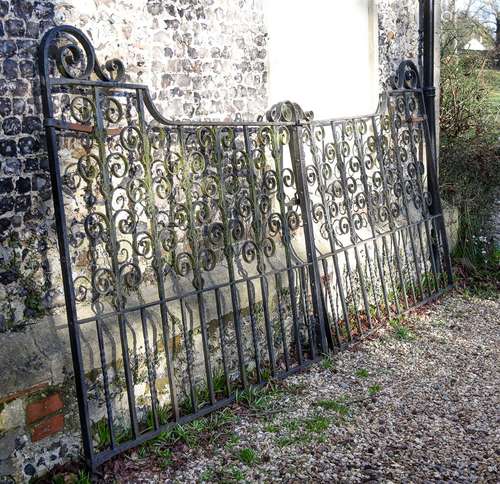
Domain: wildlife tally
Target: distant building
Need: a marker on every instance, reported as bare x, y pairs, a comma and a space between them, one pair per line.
475, 45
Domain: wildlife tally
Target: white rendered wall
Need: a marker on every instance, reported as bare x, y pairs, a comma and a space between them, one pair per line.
323, 54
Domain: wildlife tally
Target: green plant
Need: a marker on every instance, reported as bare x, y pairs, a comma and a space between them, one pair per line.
258, 398
334, 405
21, 256
232, 441
101, 433
247, 456
374, 389
470, 164
362, 373
208, 475
237, 474
327, 362
317, 424
271, 428
401, 331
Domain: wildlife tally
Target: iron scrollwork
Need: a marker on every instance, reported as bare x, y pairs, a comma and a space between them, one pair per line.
284, 234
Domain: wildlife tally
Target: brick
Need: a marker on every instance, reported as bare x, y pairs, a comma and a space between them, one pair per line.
48, 427
37, 410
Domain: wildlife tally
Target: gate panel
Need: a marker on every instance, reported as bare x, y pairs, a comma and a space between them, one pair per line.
185, 257
381, 249
201, 258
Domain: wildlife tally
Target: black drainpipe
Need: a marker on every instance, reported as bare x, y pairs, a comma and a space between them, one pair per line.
427, 16
426, 61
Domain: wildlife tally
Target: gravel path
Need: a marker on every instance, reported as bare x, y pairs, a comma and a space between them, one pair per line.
417, 404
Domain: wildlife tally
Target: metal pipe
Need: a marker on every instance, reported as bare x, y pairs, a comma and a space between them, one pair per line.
427, 30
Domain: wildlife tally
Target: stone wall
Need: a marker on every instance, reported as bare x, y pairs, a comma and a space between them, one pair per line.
203, 59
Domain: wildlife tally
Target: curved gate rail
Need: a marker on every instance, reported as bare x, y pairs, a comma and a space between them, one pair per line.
202, 258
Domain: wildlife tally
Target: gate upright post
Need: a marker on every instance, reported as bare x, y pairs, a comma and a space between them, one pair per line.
287, 112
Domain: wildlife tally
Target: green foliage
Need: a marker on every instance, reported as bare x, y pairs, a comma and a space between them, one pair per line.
362, 373
335, 405
237, 474
208, 475
258, 398
20, 256
328, 362
271, 428
317, 424
470, 160
374, 389
247, 456
401, 331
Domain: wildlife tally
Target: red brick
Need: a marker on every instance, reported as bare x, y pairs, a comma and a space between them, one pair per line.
47, 406
47, 427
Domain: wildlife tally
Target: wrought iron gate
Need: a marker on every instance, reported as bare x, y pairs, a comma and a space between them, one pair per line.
201, 258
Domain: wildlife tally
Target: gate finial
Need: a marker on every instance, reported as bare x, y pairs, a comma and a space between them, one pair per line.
407, 76
288, 112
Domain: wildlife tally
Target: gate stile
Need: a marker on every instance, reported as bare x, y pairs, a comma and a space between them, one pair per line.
202, 258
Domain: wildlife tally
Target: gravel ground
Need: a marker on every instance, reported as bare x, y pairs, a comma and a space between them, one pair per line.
419, 403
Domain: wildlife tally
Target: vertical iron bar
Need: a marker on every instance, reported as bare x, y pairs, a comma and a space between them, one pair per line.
151, 379
386, 195
152, 212
192, 236
189, 355
100, 134
370, 212
286, 355
259, 238
306, 311
353, 235
269, 330
399, 165
105, 381
277, 153
255, 334
222, 338
330, 299
225, 214
299, 166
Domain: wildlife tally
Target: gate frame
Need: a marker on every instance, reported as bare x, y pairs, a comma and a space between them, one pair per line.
296, 122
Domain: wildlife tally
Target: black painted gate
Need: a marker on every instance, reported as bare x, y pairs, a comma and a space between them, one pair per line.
201, 258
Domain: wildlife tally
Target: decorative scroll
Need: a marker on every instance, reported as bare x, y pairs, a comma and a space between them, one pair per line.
201, 258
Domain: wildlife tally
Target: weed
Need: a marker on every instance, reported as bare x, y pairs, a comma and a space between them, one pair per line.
233, 440
374, 389
257, 398
247, 456
401, 331
327, 362
334, 405
83, 478
317, 424
286, 441
292, 425
102, 435
237, 474
362, 373
208, 475
271, 427
165, 457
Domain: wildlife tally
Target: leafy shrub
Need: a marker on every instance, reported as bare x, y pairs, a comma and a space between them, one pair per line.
470, 155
